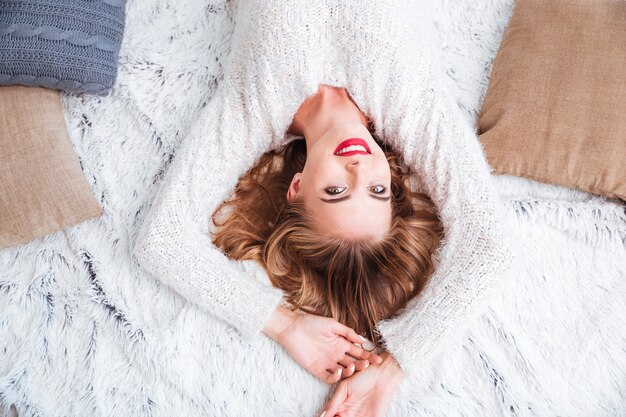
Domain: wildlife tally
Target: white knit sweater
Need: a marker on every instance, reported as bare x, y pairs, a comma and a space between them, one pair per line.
386, 58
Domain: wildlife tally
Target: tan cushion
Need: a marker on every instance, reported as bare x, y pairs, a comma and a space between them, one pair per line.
555, 108
42, 187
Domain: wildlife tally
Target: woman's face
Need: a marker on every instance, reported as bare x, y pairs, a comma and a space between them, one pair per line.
345, 184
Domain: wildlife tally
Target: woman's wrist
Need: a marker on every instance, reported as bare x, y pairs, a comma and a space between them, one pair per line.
391, 368
279, 320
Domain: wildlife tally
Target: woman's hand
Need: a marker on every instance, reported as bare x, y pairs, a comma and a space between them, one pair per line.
321, 345
368, 393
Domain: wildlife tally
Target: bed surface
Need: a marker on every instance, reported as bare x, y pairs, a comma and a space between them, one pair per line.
84, 332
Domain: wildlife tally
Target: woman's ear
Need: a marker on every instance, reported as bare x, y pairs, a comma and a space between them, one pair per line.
294, 188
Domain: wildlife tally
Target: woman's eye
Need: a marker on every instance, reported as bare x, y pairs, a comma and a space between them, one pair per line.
334, 190
378, 189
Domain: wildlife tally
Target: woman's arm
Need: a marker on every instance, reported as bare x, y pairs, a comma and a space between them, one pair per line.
445, 153
174, 244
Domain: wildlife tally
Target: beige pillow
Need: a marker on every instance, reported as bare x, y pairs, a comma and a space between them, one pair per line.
42, 187
555, 108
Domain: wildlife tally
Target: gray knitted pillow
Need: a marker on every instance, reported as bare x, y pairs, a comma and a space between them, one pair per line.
69, 45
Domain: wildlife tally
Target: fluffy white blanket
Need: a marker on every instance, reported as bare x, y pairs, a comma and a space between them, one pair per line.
83, 332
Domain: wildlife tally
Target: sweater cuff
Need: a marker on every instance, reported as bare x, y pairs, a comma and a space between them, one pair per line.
258, 301
258, 309
412, 341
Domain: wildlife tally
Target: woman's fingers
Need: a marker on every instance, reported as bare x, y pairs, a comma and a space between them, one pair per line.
361, 353
349, 334
362, 364
334, 375
335, 402
356, 351
348, 363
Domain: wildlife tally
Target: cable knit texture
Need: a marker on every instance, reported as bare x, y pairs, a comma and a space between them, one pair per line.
386, 57
69, 45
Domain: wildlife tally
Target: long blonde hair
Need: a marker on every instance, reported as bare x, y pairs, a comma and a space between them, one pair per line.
357, 282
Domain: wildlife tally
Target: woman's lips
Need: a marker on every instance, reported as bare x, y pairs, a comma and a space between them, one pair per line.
352, 146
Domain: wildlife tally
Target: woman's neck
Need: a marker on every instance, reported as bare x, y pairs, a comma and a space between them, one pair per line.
327, 109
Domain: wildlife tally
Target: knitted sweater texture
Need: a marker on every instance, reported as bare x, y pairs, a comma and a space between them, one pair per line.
384, 54
69, 45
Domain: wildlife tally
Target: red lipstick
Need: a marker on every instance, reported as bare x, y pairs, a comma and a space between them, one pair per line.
359, 146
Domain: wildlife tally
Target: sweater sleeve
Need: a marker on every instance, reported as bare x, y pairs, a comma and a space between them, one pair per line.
173, 243
474, 255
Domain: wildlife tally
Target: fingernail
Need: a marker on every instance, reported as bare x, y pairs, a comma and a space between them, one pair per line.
339, 371
352, 367
366, 364
323, 414
362, 338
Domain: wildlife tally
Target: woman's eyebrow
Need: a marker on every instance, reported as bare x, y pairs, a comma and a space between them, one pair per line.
340, 199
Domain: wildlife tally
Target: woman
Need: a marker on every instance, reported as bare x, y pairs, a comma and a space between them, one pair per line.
385, 58
332, 219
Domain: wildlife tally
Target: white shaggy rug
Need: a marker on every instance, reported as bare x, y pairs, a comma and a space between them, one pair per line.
83, 332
